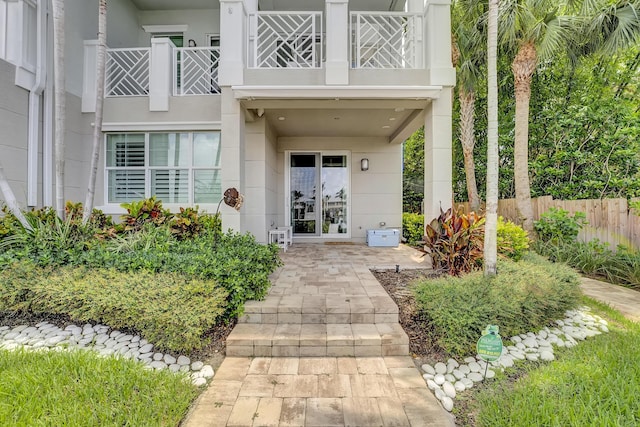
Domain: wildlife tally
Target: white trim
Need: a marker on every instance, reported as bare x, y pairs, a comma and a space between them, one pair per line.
287, 192
165, 29
336, 92
159, 126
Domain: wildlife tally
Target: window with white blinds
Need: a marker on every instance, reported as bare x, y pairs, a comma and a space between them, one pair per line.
181, 168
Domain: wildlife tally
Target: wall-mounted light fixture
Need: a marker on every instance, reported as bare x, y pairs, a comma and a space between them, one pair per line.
364, 164
192, 43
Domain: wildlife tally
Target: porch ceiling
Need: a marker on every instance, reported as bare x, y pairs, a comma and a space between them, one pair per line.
338, 122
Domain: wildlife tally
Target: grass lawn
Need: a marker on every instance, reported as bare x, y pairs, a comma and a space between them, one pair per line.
80, 388
596, 383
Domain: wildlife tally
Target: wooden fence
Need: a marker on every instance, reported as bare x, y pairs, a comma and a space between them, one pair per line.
609, 220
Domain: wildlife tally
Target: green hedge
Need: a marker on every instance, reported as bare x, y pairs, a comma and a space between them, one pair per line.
523, 297
412, 227
171, 310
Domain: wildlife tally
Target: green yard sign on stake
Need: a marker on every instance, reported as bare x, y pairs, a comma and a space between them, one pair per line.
489, 346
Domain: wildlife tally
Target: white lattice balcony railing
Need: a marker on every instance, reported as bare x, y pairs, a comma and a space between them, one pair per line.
127, 72
386, 40
195, 71
286, 39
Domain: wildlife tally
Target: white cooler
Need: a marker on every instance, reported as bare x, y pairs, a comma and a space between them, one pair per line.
383, 237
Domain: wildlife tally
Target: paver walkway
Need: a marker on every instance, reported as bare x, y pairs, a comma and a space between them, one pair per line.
342, 355
626, 301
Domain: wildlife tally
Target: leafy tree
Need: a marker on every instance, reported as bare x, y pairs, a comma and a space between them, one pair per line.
413, 172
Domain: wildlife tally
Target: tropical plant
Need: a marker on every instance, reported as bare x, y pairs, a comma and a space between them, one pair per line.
10, 199
141, 212
454, 241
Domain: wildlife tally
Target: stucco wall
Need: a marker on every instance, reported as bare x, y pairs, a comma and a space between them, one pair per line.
200, 22
13, 132
376, 194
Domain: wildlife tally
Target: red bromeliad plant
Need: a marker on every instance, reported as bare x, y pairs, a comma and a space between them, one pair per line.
454, 241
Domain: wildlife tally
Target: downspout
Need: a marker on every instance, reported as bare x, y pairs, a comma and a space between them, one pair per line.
47, 123
34, 106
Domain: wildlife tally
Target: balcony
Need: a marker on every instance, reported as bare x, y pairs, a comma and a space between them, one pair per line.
194, 71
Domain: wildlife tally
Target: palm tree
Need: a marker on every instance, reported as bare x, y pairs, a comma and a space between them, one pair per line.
97, 127
10, 200
468, 57
534, 30
59, 96
491, 222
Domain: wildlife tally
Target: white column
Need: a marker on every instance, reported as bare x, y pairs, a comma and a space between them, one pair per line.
438, 181
160, 73
417, 6
89, 73
437, 51
337, 42
232, 42
232, 156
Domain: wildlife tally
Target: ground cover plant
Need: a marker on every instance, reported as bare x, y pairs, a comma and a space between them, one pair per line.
171, 277
558, 240
171, 310
84, 389
524, 296
594, 383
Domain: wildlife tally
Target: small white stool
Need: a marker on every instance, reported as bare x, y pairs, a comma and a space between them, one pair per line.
279, 237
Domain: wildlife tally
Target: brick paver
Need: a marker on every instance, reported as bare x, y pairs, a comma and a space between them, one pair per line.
324, 303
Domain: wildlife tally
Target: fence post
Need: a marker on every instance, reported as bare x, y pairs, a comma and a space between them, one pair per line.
160, 73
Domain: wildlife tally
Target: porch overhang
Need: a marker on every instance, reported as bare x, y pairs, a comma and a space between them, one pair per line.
337, 92
394, 112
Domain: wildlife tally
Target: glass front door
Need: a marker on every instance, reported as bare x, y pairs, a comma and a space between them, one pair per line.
319, 194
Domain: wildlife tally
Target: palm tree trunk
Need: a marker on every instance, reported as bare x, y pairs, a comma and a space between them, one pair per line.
468, 141
10, 200
491, 222
60, 104
97, 127
523, 67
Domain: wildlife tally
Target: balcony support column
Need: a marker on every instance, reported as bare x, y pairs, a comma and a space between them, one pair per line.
89, 73
160, 74
337, 42
232, 42
437, 52
438, 181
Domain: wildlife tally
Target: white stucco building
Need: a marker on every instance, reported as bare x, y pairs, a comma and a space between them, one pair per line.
302, 105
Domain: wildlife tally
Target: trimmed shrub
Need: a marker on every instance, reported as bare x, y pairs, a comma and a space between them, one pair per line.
513, 241
412, 227
522, 297
171, 310
556, 225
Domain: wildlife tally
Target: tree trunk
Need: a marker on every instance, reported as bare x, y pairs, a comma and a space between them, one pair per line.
523, 67
97, 127
10, 200
468, 141
60, 104
491, 222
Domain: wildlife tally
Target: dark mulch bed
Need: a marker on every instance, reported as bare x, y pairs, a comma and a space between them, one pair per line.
422, 344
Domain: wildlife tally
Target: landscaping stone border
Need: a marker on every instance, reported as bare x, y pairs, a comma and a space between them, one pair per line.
445, 380
103, 340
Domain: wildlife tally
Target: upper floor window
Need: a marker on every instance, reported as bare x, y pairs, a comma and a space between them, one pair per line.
180, 168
